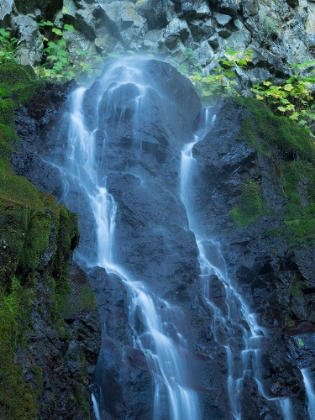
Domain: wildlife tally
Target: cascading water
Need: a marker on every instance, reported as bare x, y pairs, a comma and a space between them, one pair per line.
145, 244
233, 319
158, 337
310, 391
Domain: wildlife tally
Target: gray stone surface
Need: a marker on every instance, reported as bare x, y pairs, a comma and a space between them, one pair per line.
5, 8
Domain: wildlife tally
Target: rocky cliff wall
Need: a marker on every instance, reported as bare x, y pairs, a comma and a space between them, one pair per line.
254, 194
49, 333
251, 197
196, 33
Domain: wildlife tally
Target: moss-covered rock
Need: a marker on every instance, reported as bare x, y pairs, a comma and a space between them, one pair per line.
18, 82
17, 398
37, 238
264, 129
250, 205
291, 150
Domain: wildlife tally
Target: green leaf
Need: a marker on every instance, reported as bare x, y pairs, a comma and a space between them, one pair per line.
62, 42
182, 68
68, 28
63, 53
294, 116
51, 44
58, 66
4, 33
82, 53
63, 60
288, 87
231, 52
57, 31
47, 23
52, 58
242, 62
282, 108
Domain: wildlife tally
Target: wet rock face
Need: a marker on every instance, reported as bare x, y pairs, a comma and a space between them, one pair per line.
121, 368
141, 160
157, 224
268, 272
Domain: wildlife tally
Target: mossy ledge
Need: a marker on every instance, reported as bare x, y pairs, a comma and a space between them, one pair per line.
37, 238
291, 149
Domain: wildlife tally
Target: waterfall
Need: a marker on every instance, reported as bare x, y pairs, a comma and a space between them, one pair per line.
132, 181
233, 319
310, 391
158, 338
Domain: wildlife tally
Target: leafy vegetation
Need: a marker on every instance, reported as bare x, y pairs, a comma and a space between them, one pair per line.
293, 141
268, 24
299, 212
7, 47
59, 65
293, 98
223, 78
291, 148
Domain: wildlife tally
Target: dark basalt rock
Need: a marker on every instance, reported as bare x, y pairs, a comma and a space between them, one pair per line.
268, 272
151, 225
275, 279
121, 368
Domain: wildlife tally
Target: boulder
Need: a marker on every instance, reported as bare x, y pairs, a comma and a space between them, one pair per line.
230, 7
30, 48
5, 8
121, 15
176, 30
158, 13
222, 19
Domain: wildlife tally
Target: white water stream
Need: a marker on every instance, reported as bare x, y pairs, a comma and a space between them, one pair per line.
235, 318
165, 353
164, 348
310, 391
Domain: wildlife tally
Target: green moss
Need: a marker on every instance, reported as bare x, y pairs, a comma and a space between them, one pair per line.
17, 399
66, 241
81, 300
18, 82
7, 134
32, 226
7, 107
282, 132
296, 290
38, 381
299, 211
62, 329
17, 189
293, 153
36, 241
25, 233
250, 206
